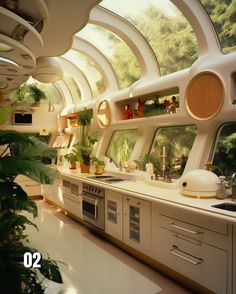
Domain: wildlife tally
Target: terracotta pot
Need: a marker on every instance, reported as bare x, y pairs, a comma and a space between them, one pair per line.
99, 169
73, 165
84, 168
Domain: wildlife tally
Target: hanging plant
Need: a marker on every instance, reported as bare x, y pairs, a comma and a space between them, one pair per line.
27, 94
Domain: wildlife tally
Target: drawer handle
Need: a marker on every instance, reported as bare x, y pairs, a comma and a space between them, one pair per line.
173, 225
177, 252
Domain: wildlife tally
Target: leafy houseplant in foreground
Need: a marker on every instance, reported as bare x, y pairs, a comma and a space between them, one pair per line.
20, 155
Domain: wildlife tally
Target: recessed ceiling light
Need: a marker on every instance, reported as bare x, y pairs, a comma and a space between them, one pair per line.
5, 47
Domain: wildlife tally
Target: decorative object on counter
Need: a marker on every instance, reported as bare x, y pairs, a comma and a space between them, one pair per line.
233, 185
131, 167
221, 192
150, 170
128, 113
199, 183
84, 147
99, 163
140, 107
28, 94
209, 165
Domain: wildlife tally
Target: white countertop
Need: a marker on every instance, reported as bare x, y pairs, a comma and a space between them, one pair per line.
148, 191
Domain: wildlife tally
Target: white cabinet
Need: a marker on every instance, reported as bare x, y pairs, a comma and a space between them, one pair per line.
113, 214
194, 245
31, 187
137, 223
57, 192
47, 191
71, 195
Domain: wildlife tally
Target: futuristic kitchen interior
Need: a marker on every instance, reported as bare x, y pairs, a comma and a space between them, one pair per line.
131, 109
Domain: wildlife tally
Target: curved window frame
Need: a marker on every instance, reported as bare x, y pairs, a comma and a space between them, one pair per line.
156, 52
223, 49
166, 151
214, 147
112, 138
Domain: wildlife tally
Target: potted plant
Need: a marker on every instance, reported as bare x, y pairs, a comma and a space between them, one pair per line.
99, 165
72, 158
84, 147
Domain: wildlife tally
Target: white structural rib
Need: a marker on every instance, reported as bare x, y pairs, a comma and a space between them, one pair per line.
99, 59
131, 36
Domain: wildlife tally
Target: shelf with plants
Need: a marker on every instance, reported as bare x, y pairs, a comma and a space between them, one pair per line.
70, 121
153, 104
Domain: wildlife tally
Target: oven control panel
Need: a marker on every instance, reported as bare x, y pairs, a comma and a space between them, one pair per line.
94, 190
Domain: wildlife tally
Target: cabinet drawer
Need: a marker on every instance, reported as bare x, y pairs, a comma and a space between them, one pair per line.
193, 231
198, 219
75, 207
200, 262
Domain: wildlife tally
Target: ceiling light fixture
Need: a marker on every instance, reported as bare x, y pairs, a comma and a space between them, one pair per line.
8, 61
5, 47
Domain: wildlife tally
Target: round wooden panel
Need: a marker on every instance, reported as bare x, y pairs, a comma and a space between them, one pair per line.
104, 114
204, 96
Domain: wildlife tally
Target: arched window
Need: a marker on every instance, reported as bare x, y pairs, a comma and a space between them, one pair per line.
165, 29
119, 54
223, 17
90, 71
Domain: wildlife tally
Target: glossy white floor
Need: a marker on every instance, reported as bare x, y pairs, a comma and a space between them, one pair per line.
93, 265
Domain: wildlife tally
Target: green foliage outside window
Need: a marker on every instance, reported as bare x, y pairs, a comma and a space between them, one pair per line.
224, 160
178, 141
170, 36
223, 16
121, 145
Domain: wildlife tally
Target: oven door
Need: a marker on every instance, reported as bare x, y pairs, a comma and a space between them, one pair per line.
93, 210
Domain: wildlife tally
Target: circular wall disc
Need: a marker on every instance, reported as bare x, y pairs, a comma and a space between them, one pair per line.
204, 96
104, 114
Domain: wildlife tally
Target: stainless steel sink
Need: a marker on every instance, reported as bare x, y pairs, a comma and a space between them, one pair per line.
106, 178
226, 206
102, 177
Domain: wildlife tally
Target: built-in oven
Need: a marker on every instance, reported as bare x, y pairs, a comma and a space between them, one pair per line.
93, 205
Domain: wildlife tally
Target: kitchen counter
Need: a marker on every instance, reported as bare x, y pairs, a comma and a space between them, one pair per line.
149, 190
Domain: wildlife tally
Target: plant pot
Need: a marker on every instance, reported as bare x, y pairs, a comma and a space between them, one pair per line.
84, 168
73, 165
99, 169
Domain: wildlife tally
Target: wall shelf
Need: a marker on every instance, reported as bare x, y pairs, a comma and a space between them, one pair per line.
153, 104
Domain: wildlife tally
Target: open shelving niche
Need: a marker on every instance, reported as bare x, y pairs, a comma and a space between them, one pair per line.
155, 105
68, 123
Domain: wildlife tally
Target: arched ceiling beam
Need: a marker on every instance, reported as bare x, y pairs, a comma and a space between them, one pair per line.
131, 36
85, 89
203, 28
99, 59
